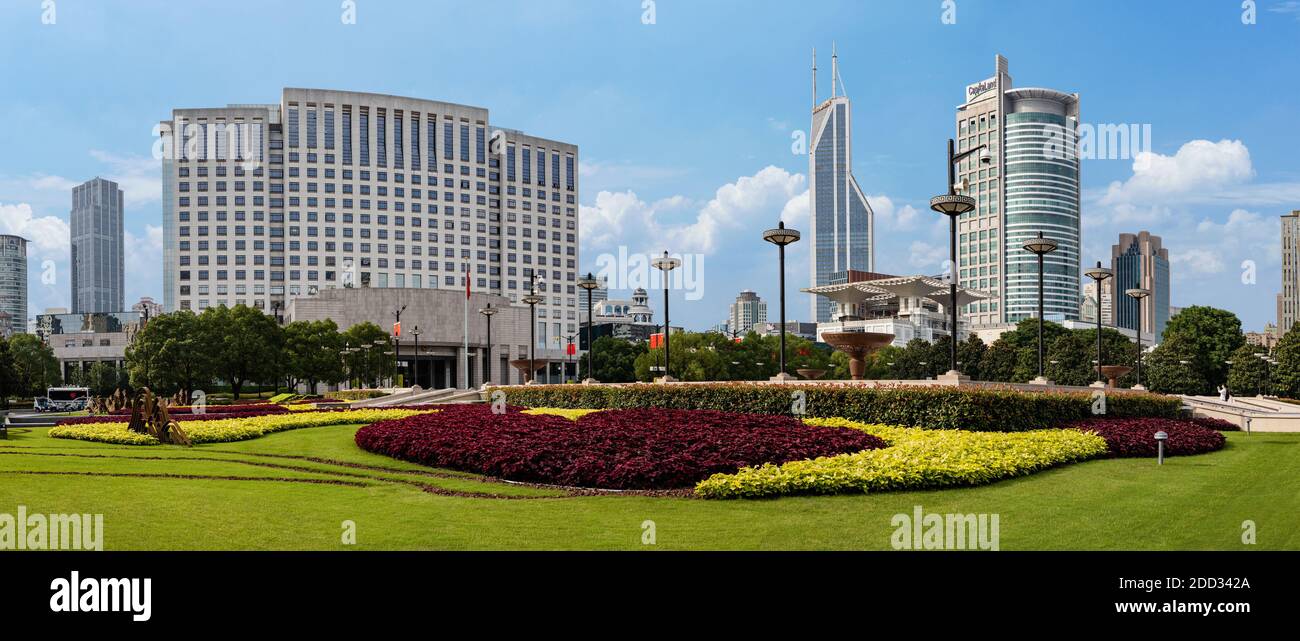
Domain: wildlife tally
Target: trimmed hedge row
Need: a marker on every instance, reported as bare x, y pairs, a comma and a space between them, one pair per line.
951, 408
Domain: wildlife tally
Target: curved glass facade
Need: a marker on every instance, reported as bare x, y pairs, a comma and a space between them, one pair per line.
1042, 194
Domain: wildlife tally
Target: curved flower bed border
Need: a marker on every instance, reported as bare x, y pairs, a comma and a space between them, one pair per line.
642, 449
264, 408
236, 429
181, 418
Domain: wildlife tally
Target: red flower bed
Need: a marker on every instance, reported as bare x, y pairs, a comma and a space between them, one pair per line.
1135, 437
264, 408
1216, 424
639, 449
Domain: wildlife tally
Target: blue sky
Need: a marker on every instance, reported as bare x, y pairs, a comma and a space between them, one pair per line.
685, 124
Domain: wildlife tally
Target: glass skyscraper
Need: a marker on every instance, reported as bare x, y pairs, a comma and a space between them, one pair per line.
13, 283
1139, 260
843, 234
97, 262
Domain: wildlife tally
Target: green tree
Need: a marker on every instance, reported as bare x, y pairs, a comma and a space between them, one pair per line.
8, 378
367, 362
313, 350
615, 360
919, 360
169, 355
970, 354
1172, 369
999, 362
1286, 376
242, 343
35, 367
1247, 374
102, 378
1209, 336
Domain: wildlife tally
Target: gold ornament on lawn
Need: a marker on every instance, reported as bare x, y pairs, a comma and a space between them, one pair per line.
149, 416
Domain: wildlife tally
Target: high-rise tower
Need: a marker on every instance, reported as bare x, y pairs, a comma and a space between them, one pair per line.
97, 260
843, 231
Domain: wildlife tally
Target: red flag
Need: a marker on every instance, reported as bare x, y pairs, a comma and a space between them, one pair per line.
466, 281
397, 329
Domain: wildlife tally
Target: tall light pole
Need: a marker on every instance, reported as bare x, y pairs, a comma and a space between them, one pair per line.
781, 237
382, 343
397, 342
1099, 275
488, 312
666, 264
953, 205
416, 374
590, 283
1136, 293
1040, 247
532, 299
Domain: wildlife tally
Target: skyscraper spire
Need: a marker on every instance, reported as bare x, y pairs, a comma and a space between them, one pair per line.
814, 78
835, 68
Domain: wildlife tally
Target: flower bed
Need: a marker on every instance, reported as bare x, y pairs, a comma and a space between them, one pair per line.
213, 415
619, 449
1215, 424
973, 409
914, 459
226, 430
262, 408
1136, 437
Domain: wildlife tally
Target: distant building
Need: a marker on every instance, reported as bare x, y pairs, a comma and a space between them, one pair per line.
631, 319
1267, 339
1088, 303
792, 328
1140, 261
147, 308
81, 340
96, 249
1288, 300
13, 282
748, 313
908, 307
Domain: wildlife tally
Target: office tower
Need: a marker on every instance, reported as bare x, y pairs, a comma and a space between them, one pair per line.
1139, 260
1088, 304
331, 189
1288, 300
96, 259
1031, 185
13, 283
843, 232
748, 313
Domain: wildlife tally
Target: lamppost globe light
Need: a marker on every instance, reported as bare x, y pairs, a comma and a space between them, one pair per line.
952, 204
1099, 274
781, 236
589, 283
1040, 246
666, 264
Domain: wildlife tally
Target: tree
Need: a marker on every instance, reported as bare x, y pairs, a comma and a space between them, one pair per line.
970, 355
169, 354
8, 378
34, 364
369, 363
918, 360
615, 360
1247, 374
101, 378
1171, 369
1286, 376
999, 362
313, 351
1209, 336
242, 342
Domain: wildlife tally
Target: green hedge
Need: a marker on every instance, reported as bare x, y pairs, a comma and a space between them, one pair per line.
974, 409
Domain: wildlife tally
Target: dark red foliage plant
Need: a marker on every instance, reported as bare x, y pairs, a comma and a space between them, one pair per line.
635, 449
1135, 437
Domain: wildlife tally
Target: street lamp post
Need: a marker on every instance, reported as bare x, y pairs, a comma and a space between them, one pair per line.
1040, 247
397, 342
382, 343
590, 283
666, 264
532, 299
416, 374
953, 205
1137, 293
1099, 275
781, 237
568, 340
488, 312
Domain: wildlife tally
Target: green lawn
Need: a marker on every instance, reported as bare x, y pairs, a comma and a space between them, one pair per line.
293, 490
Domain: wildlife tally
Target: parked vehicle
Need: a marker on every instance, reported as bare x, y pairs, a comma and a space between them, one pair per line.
66, 399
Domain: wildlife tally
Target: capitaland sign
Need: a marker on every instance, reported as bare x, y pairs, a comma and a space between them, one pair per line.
977, 90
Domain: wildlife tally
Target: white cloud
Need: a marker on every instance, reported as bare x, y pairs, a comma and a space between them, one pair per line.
140, 177
49, 235
1199, 167
923, 255
891, 216
1198, 260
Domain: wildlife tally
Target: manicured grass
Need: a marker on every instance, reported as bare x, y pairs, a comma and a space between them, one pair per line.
282, 501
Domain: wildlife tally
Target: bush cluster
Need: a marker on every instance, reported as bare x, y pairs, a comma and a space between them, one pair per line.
971, 409
226, 430
642, 449
261, 408
1135, 437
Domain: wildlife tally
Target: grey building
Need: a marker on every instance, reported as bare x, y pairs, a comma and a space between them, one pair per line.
1031, 185
843, 231
97, 260
1140, 261
748, 313
80, 341
13, 283
1288, 300
264, 204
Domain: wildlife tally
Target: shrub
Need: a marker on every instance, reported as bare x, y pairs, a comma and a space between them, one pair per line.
263, 408
226, 430
914, 459
1215, 424
214, 415
355, 394
936, 407
618, 449
1136, 437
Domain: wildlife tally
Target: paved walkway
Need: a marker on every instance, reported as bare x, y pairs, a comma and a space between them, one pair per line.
1263, 414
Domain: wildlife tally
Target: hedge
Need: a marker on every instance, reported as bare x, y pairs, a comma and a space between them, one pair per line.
935, 407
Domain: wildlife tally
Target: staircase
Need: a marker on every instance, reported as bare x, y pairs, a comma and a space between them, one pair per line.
1263, 414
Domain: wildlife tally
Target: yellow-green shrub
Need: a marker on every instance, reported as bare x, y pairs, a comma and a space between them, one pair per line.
226, 430
570, 414
915, 459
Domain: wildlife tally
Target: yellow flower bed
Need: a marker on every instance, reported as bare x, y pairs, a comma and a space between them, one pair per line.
915, 459
571, 414
230, 429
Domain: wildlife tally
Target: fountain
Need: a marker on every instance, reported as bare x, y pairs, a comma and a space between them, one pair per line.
857, 345
521, 364
1114, 373
811, 373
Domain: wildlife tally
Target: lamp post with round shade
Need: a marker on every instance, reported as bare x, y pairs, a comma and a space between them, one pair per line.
416, 333
1099, 275
488, 312
532, 299
1137, 293
666, 264
1040, 247
590, 283
781, 237
953, 205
